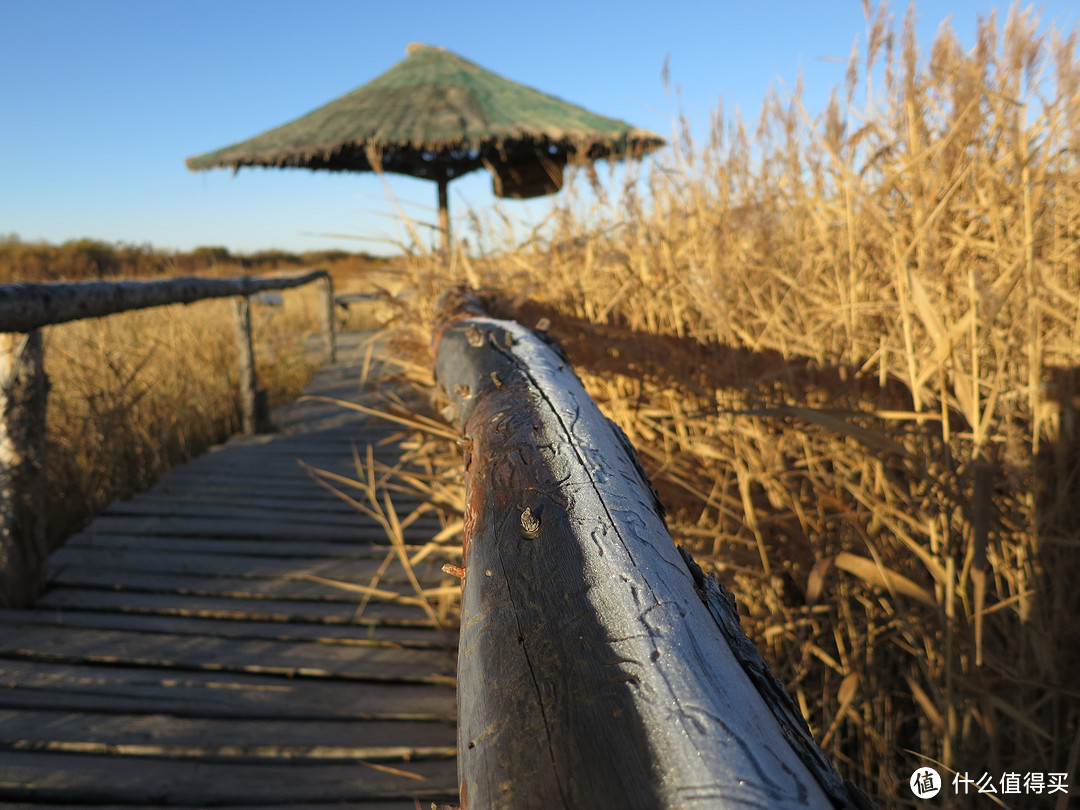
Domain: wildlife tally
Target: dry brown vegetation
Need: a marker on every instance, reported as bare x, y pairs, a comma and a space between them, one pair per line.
848, 351
77, 259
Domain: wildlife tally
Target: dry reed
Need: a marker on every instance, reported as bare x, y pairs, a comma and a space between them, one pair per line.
848, 350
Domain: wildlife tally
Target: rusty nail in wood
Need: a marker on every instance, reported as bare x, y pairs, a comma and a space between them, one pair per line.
454, 570
530, 522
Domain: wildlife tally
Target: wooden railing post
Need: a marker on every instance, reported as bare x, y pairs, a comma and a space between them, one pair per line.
329, 325
23, 395
597, 666
248, 382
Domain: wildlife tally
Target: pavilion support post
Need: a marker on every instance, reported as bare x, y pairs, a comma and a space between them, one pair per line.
444, 217
23, 394
253, 405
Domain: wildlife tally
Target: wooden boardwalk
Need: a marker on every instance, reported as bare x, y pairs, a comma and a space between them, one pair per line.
189, 651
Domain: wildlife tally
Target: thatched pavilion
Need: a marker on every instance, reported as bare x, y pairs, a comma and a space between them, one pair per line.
437, 116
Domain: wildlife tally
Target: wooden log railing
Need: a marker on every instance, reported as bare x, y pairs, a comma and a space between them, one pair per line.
598, 667
24, 309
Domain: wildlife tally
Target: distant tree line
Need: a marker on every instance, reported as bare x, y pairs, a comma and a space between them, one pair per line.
80, 259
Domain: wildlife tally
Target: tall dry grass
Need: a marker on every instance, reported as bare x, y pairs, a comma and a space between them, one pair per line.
848, 350
136, 393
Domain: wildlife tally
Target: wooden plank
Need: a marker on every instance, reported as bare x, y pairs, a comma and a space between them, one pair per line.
355, 634
102, 779
405, 804
185, 500
223, 695
179, 561
230, 510
209, 545
163, 650
164, 735
221, 487
316, 514
297, 588
252, 482
288, 450
280, 529
193, 496
270, 470
325, 611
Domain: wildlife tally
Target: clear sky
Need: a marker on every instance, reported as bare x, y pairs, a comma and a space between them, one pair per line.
100, 102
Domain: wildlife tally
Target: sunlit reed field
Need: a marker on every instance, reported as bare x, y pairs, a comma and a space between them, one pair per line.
847, 349
135, 393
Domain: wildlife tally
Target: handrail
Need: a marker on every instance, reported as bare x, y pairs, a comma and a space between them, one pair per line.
24, 309
597, 667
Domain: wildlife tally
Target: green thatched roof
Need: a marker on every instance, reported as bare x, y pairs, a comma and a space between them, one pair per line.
438, 116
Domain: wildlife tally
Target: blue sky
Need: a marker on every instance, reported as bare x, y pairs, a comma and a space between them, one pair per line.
100, 102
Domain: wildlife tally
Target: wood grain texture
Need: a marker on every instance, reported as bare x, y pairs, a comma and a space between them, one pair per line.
592, 671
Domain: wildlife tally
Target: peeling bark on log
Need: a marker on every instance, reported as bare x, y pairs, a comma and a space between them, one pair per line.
23, 392
598, 667
24, 307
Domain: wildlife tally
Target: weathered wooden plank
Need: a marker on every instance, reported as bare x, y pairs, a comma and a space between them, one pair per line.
223, 510
405, 804
209, 545
297, 588
316, 514
249, 487
223, 695
163, 650
164, 735
213, 527
223, 606
355, 634
272, 470
585, 634
314, 499
288, 450
93, 779
239, 565
189, 500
